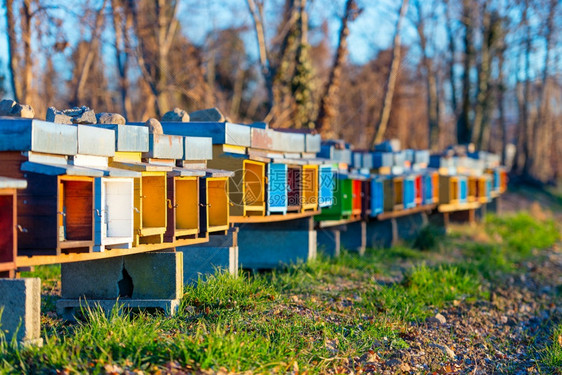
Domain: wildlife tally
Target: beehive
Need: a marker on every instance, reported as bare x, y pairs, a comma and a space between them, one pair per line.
215, 198
419, 189
472, 195
114, 209
326, 184
377, 196
366, 197
277, 188
409, 199
393, 193
463, 189
343, 201
309, 187
294, 183
182, 208
247, 187
357, 197
484, 189
429, 194
8, 223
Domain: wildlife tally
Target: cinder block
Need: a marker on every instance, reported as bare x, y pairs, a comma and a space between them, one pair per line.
381, 233
69, 308
20, 302
274, 245
206, 260
353, 237
410, 225
139, 276
328, 241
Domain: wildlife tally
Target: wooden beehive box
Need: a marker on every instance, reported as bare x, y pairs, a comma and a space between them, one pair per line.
356, 197
8, 224
472, 194
62, 205
215, 197
435, 185
247, 187
484, 189
294, 183
393, 193
429, 195
309, 187
449, 189
114, 193
183, 204
277, 188
463, 189
342, 206
326, 184
409, 199
418, 189
149, 197
366, 197
377, 196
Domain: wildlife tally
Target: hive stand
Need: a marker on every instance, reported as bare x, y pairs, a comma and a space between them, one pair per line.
8, 224
140, 281
219, 254
275, 244
20, 300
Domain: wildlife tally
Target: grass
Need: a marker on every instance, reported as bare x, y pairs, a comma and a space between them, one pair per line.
312, 316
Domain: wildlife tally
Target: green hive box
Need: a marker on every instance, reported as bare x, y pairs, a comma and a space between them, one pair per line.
343, 201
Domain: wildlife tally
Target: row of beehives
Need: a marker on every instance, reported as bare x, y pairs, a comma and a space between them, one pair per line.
97, 187
88, 188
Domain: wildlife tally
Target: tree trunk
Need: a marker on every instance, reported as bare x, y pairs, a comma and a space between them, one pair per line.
463, 123
392, 77
433, 117
27, 62
451, 60
120, 21
328, 104
87, 63
13, 59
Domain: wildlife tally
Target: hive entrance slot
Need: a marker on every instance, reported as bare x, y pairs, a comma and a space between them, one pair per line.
218, 203
118, 212
153, 202
187, 204
6, 228
75, 210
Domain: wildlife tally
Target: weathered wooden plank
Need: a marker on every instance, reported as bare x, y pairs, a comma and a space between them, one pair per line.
95, 141
129, 138
164, 146
313, 143
57, 170
198, 148
38, 136
262, 138
12, 183
220, 132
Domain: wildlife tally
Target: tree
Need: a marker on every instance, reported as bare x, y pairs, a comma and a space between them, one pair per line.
392, 76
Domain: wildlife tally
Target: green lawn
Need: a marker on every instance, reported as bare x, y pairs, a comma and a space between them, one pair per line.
311, 317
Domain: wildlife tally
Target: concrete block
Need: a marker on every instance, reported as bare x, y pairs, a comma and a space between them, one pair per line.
20, 302
139, 276
328, 241
381, 233
68, 309
274, 245
206, 260
410, 225
353, 237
